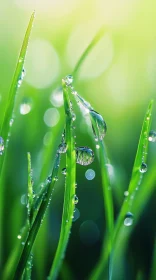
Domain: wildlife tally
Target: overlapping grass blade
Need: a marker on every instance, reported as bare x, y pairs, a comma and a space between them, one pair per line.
69, 194
30, 191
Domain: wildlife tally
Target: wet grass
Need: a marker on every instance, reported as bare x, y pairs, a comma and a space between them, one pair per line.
19, 264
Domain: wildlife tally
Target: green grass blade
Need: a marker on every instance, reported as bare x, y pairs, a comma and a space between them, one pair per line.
18, 263
68, 205
153, 266
30, 190
14, 86
95, 40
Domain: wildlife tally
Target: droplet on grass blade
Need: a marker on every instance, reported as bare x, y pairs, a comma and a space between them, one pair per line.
128, 221
20, 80
152, 136
25, 108
84, 155
143, 167
68, 80
62, 148
64, 171
1, 145
76, 214
98, 125
75, 199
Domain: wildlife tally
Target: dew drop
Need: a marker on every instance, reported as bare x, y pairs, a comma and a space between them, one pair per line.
75, 199
98, 125
19, 236
152, 136
21, 78
76, 214
49, 179
25, 108
62, 148
143, 167
11, 122
1, 145
68, 80
90, 174
56, 178
97, 147
64, 171
126, 193
128, 221
84, 155
73, 117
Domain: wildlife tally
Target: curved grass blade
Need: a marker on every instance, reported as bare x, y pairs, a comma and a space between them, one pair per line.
30, 191
95, 40
8, 116
18, 263
127, 206
69, 195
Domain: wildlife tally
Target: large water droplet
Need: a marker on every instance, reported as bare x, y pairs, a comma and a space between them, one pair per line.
62, 148
84, 155
152, 136
90, 174
128, 221
75, 199
1, 145
25, 108
64, 171
98, 125
68, 80
143, 167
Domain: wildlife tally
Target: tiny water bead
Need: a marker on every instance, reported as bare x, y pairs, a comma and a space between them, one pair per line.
75, 199
21, 78
152, 136
98, 125
84, 155
90, 174
19, 236
128, 221
62, 148
76, 214
25, 108
97, 147
1, 145
73, 117
11, 122
68, 80
126, 193
64, 171
143, 167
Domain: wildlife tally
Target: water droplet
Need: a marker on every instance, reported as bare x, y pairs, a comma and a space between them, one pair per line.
126, 193
25, 108
21, 78
75, 199
128, 221
11, 122
23, 243
76, 214
98, 125
1, 145
24, 199
62, 148
97, 146
49, 179
84, 155
74, 92
73, 117
69, 80
19, 236
152, 136
143, 167
56, 178
64, 171
90, 174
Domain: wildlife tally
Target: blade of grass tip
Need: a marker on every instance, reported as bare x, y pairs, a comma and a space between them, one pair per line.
69, 194
134, 190
95, 40
99, 130
139, 169
8, 118
19, 263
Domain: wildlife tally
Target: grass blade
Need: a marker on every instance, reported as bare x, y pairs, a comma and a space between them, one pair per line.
153, 266
30, 191
92, 44
8, 116
68, 205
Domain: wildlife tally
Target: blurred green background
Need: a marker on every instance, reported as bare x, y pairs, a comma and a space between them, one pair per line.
117, 78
